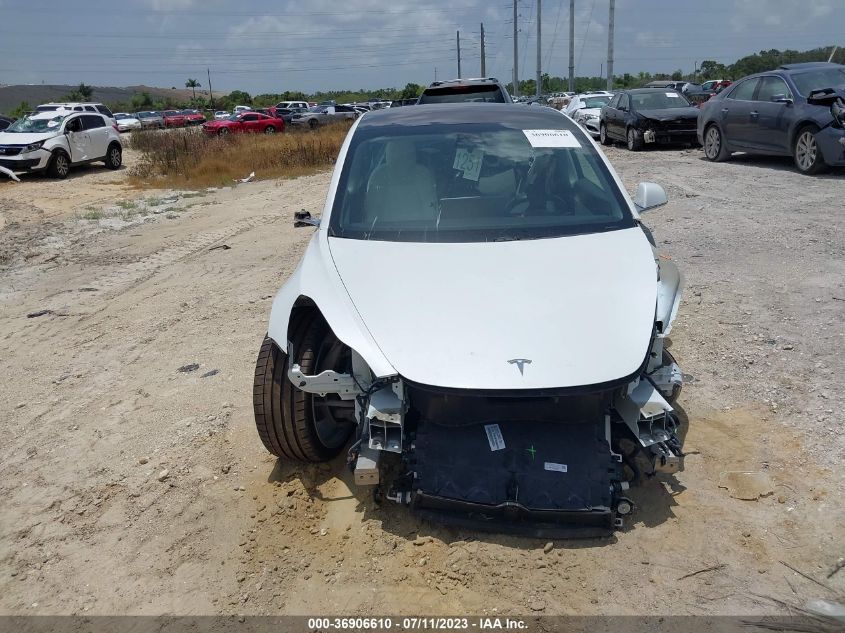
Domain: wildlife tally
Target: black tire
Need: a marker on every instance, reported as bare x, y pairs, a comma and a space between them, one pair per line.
59, 166
635, 139
313, 123
806, 152
291, 423
269, 130
223, 131
603, 137
714, 144
114, 156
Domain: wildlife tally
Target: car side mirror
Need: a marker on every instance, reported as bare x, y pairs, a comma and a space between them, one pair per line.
303, 218
781, 99
649, 196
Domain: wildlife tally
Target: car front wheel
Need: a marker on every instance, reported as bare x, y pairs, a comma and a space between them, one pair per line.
295, 424
603, 135
313, 123
714, 145
808, 156
269, 130
635, 140
59, 166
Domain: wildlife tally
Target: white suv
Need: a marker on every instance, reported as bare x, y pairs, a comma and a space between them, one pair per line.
77, 106
54, 141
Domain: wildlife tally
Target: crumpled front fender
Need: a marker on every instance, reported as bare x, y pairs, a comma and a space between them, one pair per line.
316, 279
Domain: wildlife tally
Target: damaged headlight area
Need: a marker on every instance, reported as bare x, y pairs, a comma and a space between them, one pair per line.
32, 147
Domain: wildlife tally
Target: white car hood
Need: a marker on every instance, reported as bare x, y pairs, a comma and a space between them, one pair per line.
579, 310
23, 138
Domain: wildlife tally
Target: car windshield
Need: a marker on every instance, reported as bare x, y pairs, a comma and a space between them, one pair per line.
811, 80
459, 94
595, 102
34, 125
320, 109
120, 117
474, 183
234, 117
662, 100
146, 115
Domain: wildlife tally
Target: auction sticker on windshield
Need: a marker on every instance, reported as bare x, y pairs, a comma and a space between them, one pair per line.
551, 138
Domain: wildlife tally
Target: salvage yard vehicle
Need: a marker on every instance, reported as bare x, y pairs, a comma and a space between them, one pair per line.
585, 110
174, 118
507, 365
193, 117
150, 120
244, 122
126, 122
648, 115
797, 110
323, 114
55, 141
77, 106
482, 89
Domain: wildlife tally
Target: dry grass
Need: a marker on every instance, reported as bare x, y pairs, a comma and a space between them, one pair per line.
191, 159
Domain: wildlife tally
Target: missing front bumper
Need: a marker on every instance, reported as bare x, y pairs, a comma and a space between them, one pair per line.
541, 479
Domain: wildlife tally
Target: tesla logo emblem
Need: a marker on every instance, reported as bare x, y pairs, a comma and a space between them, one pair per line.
520, 364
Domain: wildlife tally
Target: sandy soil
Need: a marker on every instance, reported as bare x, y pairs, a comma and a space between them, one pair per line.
131, 487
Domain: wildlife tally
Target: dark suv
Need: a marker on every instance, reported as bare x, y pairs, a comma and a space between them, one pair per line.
797, 110
486, 89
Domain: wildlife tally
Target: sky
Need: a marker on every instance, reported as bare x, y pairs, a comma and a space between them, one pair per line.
269, 46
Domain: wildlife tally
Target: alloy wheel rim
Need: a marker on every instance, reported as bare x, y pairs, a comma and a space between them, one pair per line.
115, 157
806, 150
712, 143
61, 165
630, 139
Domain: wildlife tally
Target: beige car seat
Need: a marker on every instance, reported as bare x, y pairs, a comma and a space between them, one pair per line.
400, 188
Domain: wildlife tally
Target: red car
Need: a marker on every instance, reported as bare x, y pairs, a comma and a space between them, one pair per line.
173, 118
192, 117
245, 122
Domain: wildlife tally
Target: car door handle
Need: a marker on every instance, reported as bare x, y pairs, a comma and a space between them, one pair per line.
724, 110
754, 114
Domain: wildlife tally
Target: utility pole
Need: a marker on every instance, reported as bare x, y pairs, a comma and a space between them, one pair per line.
571, 45
210, 91
832, 53
515, 53
459, 54
539, 70
610, 46
483, 59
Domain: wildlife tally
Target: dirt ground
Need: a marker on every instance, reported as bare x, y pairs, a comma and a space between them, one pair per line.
129, 486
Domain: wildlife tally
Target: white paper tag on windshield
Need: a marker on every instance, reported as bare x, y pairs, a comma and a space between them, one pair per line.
551, 138
468, 162
494, 437
674, 95
560, 468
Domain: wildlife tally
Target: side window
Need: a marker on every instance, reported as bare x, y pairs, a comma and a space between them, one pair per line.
624, 102
74, 125
745, 90
250, 117
92, 121
614, 103
104, 110
90, 109
77, 109
772, 86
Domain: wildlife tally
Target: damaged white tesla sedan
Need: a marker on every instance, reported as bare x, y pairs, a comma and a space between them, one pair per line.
481, 310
